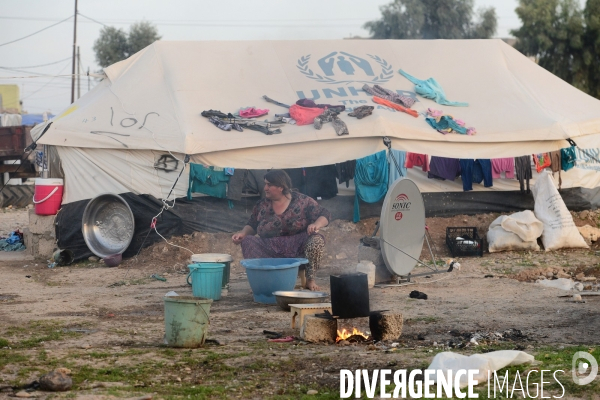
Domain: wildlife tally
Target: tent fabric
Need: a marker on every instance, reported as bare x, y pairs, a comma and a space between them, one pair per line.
153, 101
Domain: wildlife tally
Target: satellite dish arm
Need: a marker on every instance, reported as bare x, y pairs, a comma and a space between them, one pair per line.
388, 143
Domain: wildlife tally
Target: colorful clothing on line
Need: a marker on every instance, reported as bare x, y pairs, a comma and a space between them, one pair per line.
541, 161
417, 160
431, 89
400, 157
568, 158
556, 165
301, 212
207, 181
523, 171
482, 172
444, 168
370, 180
311, 104
395, 106
506, 165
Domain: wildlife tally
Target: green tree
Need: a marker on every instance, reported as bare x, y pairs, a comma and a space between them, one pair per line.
591, 53
552, 32
432, 19
115, 45
111, 46
141, 35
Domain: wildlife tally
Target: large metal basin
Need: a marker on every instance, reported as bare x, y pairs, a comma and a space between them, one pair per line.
107, 225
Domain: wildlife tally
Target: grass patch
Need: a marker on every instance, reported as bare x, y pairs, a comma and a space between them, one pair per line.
4, 343
427, 319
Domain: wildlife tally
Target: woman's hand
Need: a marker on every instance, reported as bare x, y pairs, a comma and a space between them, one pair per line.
312, 229
238, 237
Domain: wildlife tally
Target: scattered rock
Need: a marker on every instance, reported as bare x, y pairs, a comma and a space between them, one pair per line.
63, 370
144, 397
93, 259
85, 346
584, 214
22, 394
578, 286
341, 256
312, 392
577, 298
580, 276
56, 381
589, 233
561, 274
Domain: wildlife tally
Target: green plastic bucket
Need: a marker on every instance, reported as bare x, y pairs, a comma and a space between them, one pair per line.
186, 320
215, 258
206, 279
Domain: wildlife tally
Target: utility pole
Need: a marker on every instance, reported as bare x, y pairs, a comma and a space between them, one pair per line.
74, 56
78, 73
88, 75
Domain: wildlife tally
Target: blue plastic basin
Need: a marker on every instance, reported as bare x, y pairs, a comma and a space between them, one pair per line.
268, 275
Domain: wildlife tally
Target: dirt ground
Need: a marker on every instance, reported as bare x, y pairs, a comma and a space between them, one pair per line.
119, 312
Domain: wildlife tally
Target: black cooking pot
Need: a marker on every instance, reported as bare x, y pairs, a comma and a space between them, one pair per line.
349, 295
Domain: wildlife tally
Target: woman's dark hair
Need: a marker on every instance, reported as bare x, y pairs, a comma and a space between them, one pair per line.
279, 178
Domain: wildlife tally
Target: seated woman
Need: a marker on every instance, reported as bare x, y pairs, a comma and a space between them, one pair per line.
287, 223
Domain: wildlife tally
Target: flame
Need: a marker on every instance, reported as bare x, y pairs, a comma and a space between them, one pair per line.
344, 334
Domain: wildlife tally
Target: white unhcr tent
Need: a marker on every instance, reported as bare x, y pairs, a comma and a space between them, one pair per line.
146, 112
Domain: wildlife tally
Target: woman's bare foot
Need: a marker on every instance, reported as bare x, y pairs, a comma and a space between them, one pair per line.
311, 285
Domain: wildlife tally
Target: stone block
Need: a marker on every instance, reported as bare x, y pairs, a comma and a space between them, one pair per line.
28, 240
315, 329
45, 247
41, 224
366, 253
386, 326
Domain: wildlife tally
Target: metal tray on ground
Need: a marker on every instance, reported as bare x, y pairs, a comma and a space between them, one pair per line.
107, 225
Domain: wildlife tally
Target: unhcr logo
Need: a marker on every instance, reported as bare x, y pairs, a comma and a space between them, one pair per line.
340, 67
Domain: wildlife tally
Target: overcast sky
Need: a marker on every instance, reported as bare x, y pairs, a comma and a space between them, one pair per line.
176, 20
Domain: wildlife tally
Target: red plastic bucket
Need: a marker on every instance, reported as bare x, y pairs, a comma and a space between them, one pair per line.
48, 196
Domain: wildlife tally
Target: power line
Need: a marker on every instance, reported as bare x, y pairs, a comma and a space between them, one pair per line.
35, 33
41, 65
32, 93
93, 20
28, 72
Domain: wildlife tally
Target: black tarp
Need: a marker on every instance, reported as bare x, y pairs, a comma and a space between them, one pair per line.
208, 214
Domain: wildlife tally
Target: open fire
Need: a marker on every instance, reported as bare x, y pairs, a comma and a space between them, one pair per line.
355, 335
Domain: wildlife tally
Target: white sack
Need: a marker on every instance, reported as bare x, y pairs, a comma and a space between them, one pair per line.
491, 362
559, 229
518, 231
560, 283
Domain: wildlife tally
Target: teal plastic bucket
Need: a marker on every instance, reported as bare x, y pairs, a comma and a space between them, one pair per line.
186, 320
215, 258
206, 279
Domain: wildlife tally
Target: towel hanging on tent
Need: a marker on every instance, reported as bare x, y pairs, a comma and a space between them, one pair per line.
370, 179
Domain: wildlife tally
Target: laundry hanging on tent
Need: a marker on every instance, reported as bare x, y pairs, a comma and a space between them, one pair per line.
316, 182
568, 158
361, 112
445, 123
389, 95
523, 171
345, 171
417, 160
443, 168
228, 121
506, 165
431, 89
370, 180
482, 172
541, 161
556, 165
207, 181
400, 157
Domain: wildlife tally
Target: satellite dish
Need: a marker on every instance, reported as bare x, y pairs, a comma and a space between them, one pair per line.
402, 227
